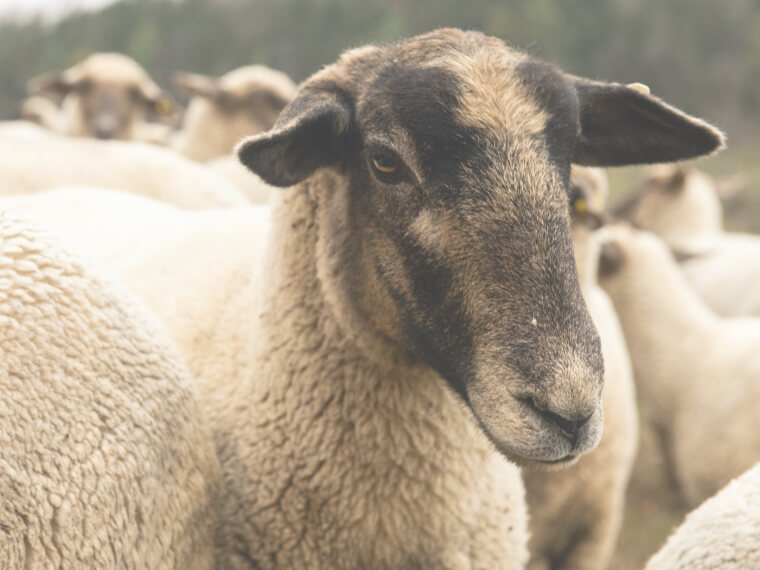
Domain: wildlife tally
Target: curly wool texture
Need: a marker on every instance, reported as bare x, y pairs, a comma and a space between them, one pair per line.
575, 513
722, 534
105, 460
180, 264
333, 461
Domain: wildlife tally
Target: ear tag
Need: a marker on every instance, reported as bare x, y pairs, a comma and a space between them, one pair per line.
640, 87
163, 106
580, 205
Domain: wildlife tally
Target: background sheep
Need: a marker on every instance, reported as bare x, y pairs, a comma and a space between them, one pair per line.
105, 96
722, 534
42, 111
224, 109
24, 130
197, 271
106, 461
575, 513
704, 389
28, 166
682, 206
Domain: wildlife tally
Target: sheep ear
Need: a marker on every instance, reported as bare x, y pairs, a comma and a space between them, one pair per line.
730, 186
610, 258
312, 132
622, 125
192, 84
54, 83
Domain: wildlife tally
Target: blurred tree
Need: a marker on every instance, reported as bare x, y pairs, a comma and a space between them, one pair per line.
701, 54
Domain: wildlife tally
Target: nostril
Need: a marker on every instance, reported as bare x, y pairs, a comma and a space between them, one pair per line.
569, 428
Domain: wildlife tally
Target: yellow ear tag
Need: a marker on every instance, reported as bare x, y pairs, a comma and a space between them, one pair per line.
640, 87
580, 205
163, 106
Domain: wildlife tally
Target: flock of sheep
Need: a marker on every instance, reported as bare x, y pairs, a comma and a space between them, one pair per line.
425, 353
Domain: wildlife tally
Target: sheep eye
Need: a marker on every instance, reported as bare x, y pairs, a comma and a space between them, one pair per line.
384, 162
580, 205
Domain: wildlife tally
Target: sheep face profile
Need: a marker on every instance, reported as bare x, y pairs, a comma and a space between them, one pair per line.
438, 171
243, 102
105, 96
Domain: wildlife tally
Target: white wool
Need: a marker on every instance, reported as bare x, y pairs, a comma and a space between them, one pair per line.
106, 458
28, 166
722, 534
722, 267
229, 167
699, 373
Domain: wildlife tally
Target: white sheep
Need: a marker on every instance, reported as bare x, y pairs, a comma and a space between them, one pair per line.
164, 254
106, 96
106, 460
378, 293
23, 130
28, 166
682, 206
42, 111
699, 373
722, 534
224, 109
400, 329
575, 513
254, 188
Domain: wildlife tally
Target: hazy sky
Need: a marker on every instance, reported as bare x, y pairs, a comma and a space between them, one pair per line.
51, 9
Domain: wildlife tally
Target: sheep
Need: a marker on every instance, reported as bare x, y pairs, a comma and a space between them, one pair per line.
415, 325
722, 534
106, 459
42, 111
179, 263
224, 109
24, 130
576, 513
689, 364
144, 169
387, 281
682, 207
229, 168
106, 96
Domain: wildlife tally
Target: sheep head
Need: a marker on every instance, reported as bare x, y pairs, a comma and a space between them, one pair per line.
225, 109
679, 204
438, 168
104, 96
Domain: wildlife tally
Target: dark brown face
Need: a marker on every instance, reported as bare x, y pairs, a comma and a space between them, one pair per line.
444, 216
110, 110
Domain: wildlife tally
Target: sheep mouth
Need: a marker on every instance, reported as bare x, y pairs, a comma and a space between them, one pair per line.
566, 460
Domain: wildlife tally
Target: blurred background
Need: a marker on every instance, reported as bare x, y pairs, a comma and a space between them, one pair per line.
700, 55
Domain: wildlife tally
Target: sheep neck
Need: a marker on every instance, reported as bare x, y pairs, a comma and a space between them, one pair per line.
655, 306
320, 421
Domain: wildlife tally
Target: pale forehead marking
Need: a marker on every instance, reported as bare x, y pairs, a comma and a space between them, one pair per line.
426, 227
493, 96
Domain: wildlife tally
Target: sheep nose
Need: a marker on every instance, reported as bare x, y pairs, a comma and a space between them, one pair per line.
103, 134
569, 428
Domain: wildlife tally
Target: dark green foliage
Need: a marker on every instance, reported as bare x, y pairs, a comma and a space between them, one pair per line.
702, 55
